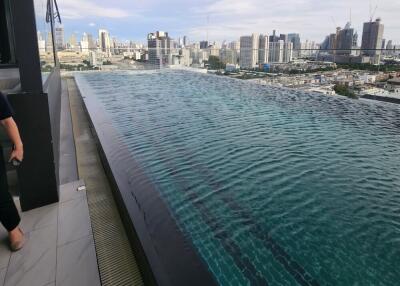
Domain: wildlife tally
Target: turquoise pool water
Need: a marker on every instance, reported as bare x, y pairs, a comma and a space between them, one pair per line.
272, 186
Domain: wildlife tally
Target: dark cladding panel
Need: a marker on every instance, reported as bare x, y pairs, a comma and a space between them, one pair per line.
26, 48
37, 174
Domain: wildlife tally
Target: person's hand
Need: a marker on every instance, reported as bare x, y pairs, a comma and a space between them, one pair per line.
17, 154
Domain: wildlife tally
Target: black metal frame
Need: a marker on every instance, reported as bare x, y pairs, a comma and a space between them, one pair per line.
9, 21
37, 111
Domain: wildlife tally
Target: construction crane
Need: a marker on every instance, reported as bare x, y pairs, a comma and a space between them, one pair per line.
372, 13
334, 22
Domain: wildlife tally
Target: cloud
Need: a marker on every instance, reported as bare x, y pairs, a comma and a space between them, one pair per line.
78, 9
313, 19
92, 24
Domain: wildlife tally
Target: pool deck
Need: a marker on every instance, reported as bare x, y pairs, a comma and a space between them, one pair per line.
61, 247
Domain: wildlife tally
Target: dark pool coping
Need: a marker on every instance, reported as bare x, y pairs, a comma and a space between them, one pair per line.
169, 257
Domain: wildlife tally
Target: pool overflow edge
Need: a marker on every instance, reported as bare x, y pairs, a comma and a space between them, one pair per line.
162, 259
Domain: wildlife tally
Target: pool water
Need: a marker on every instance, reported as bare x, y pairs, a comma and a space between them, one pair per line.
272, 186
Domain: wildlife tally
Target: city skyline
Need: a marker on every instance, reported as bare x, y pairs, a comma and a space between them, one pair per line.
223, 20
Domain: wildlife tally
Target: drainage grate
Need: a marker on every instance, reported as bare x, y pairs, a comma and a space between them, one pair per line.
116, 260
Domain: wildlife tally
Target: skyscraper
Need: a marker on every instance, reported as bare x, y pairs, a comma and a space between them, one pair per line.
203, 45
72, 41
273, 38
159, 45
295, 40
372, 37
276, 51
84, 44
249, 51
383, 44
389, 45
41, 43
263, 52
105, 42
59, 34
91, 42
287, 52
49, 43
344, 40
283, 37
389, 48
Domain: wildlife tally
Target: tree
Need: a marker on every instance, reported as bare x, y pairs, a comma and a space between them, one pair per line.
214, 63
341, 89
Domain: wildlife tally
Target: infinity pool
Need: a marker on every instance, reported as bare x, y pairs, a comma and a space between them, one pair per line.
272, 186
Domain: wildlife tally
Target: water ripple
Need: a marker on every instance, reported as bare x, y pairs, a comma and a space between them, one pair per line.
303, 186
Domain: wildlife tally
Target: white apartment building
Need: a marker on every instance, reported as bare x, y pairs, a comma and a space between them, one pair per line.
84, 44
280, 52
249, 46
263, 52
41, 44
288, 52
276, 51
105, 42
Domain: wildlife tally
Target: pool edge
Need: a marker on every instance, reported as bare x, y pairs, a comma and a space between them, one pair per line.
167, 256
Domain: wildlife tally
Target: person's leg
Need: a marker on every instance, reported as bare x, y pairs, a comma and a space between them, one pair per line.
9, 215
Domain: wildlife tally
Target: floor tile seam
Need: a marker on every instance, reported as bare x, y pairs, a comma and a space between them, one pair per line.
74, 199
75, 240
40, 227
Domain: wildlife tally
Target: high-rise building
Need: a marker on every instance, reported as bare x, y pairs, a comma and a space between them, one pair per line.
287, 52
105, 42
309, 48
372, 38
203, 45
383, 44
235, 45
49, 43
389, 45
332, 43
263, 49
325, 43
229, 56
273, 38
84, 44
41, 43
72, 40
59, 34
91, 42
159, 45
355, 40
344, 40
389, 48
249, 51
295, 40
276, 51
185, 41
283, 37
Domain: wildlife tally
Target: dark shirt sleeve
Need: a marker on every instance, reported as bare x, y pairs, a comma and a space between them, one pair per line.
5, 108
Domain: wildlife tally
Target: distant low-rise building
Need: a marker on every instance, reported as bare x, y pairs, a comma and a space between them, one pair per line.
393, 85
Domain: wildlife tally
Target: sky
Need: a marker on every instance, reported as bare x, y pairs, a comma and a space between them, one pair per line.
225, 19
